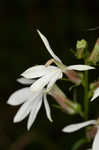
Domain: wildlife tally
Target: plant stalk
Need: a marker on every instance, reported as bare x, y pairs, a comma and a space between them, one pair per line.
86, 100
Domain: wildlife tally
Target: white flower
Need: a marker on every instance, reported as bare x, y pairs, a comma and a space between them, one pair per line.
48, 75
75, 127
96, 94
72, 67
31, 103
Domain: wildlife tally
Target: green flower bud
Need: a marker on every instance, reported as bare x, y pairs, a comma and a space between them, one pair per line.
94, 56
80, 47
81, 44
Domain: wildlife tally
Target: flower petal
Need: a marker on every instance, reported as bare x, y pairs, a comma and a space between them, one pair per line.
40, 83
23, 111
43, 81
35, 72
58, 75
96, 94
47, 108
80, 67
95, 145
54, 72
25, 81
34, 112
45, 41
52, 68
75, 127
20, 96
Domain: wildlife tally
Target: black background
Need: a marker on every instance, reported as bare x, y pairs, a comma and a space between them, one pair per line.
63, 22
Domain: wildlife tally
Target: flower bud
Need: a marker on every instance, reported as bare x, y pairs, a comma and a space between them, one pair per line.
92, 88
94, 56
80, 47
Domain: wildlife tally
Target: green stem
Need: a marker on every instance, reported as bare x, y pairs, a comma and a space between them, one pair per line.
86, 100
79, 111
86, 86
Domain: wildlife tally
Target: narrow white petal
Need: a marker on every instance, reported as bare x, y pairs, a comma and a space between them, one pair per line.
58, 75
20, 96
54, 72
34, 112
45, 41
47, 108
25, 81
23, 111
95, 145
40, 83
35, 72
96, 94
80, 67
75, 127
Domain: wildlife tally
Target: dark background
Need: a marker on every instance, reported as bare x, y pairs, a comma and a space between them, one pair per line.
63, 22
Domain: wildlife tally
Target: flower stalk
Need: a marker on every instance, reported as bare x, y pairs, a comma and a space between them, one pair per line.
86, 100
66, 104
